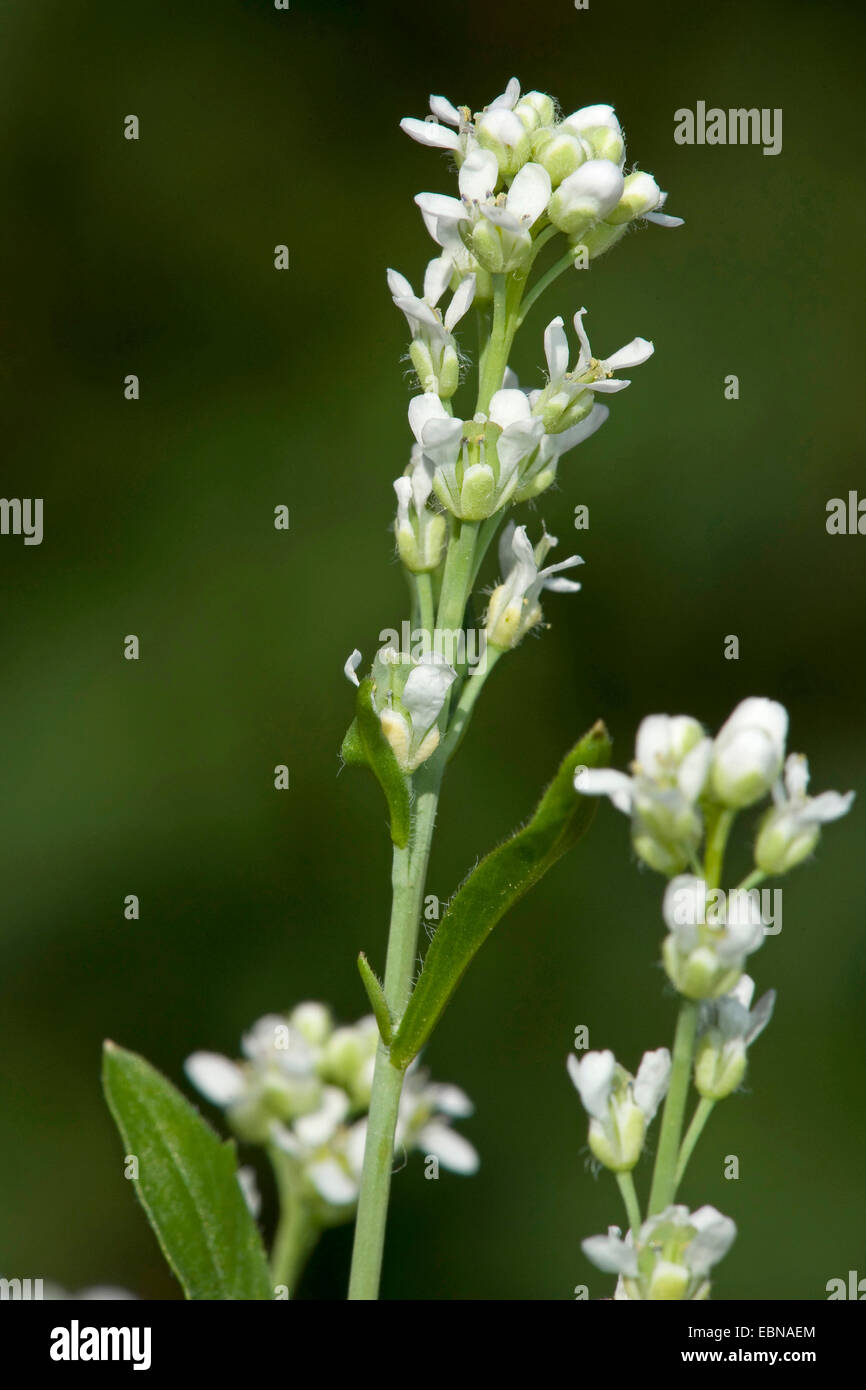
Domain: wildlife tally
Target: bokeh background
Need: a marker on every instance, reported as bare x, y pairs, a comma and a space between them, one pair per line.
707, 518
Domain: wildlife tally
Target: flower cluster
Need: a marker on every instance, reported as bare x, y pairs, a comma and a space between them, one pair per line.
671, 1258
682, 794
303, 1089
521, 167
681, 781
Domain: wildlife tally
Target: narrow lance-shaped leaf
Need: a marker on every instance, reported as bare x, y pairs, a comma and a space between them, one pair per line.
187, 1183
498, 882
366, 745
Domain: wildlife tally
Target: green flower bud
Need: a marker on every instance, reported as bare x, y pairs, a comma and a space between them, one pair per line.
668, 1281
719, 1068
619, 1149
505, 135
641, 194
535, 109
559, 153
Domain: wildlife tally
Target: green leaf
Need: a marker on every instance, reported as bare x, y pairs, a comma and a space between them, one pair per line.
187, 1183
493, 887
365, 744
376, 996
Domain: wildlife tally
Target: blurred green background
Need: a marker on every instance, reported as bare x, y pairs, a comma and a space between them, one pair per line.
258, 388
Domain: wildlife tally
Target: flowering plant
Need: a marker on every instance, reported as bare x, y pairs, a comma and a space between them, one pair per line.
538, 196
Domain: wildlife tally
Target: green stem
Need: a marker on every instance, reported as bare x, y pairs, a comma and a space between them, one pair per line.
498, 347
693, 1134
564, 263
297, 1233
717, 839
472, 688
408, 878
426, 609
664, 1174
625, 1182
751, 881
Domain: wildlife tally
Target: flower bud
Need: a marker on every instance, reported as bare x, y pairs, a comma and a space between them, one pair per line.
599, 127
719, 1071
641, 194
535, 109
668, 1281
560, 153
505, 135
586, 196
748, 752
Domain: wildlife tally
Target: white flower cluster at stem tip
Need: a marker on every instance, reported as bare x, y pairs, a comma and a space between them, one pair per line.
527, 177
303, 1089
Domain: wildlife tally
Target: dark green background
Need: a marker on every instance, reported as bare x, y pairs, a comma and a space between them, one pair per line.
259, 388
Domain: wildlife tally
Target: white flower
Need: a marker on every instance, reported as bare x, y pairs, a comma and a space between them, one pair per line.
499, 126
568, 396
514, 608
726, 1029
423, 1122
706, 948
434, 351
476, 469
412, 731
420, 533
620, 1106
669, 1258
498, 227
791, 829
749, 751
672, 758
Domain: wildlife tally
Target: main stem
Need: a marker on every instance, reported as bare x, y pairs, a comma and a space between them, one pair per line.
408, 878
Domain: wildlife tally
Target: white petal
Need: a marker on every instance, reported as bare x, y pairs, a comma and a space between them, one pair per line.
429, 133
651, 1081
593, 1076
423, 409
695, 768
508, 407
318, 1127
461, 302
443, 110
829, 806
714, 1239
452, 1149
220, 1080
332, 1182
610, 1255
529, 194
556, 349
354, 661
479, 174
450, 1100
591, 117
399, 285
632, 355
509, 98
502, 218
440, 207
436, 278
663, 219
606, 781
424, 692
249, 1187
796, 776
